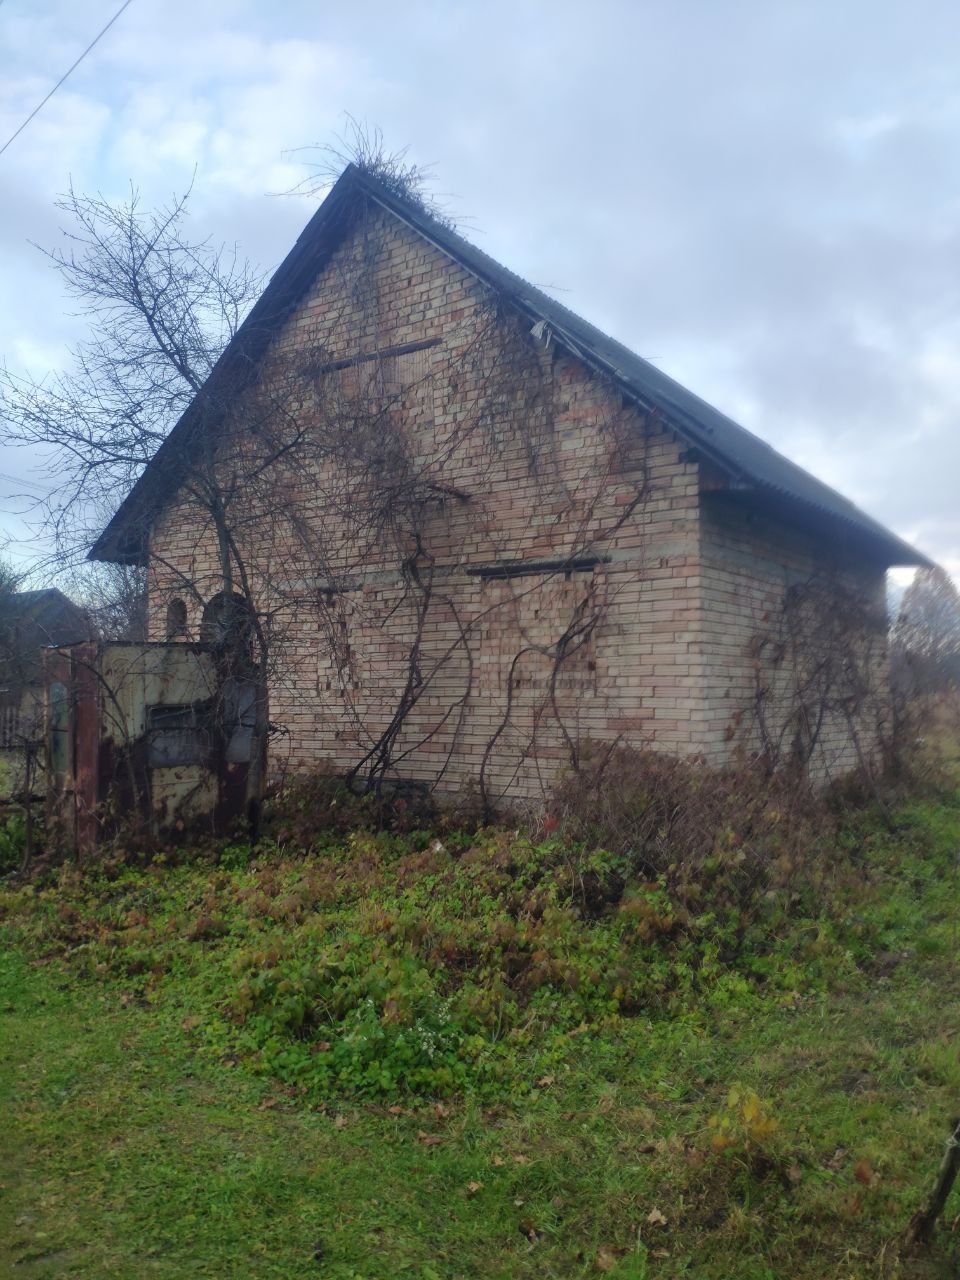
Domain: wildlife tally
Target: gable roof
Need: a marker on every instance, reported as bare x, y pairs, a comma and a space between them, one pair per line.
46, 616
750, 463
29, 620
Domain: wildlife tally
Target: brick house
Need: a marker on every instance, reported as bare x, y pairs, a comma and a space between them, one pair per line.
481, 533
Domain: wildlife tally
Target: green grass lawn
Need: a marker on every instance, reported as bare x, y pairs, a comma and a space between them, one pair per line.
140, 1139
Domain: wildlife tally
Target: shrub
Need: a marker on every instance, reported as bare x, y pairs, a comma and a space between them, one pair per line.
743, 1121
13, 843
319, 805
733, 834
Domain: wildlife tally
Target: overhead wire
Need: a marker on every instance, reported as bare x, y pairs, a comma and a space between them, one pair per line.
24, 481
39, 107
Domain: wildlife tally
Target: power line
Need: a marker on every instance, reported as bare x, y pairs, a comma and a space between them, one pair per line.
68, 72
25, 481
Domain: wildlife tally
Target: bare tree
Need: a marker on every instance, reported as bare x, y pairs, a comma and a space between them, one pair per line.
925, 643
16, 661
9, 586
115, 597
161, 308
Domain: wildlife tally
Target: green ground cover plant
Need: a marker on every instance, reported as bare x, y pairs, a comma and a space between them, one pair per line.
452, 1053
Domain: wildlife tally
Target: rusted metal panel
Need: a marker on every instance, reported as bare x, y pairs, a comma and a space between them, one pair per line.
86, 731
143, 734
61, 806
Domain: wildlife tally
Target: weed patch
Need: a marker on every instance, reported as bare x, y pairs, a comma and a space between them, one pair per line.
588, 1066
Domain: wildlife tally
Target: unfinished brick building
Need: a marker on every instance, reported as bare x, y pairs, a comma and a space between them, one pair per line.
469, 534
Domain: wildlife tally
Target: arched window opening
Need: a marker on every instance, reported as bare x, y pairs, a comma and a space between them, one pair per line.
228, 627
176, 619
226, 622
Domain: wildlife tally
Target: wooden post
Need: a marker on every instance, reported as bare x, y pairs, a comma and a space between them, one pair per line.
923, 1221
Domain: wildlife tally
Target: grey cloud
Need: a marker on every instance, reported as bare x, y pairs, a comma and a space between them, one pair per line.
762, 197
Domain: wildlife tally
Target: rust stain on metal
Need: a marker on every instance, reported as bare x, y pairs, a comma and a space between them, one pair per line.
141, 734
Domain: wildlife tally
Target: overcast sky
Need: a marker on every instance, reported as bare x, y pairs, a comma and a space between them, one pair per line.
763, 198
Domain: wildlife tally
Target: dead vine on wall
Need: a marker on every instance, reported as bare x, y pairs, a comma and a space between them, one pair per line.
820, 663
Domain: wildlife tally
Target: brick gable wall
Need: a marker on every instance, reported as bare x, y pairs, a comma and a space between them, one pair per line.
515, 454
